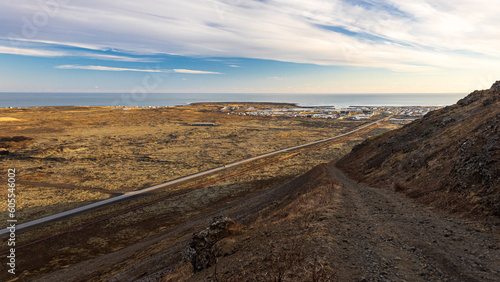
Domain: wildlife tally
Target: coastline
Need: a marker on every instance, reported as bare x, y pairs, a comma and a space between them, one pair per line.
163, 100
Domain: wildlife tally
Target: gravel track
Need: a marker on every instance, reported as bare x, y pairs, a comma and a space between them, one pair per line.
385, 236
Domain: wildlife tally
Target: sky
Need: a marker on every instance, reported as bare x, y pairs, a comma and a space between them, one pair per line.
249, 46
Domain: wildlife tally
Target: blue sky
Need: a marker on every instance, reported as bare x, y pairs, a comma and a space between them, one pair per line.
245, 46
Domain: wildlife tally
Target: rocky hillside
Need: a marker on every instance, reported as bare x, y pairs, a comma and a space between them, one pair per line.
449, 159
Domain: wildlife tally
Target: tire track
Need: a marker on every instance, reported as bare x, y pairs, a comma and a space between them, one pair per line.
383, 235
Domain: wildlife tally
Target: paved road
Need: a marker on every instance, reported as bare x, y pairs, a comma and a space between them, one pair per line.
128, 195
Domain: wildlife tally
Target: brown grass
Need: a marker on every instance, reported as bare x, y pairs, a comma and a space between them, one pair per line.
126, 150
281, 245
113, 150
448, 159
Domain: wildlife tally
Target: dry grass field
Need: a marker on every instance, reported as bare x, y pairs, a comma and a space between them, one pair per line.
71, 156
81, 154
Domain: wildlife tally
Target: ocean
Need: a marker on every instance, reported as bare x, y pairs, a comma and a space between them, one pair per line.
171, 99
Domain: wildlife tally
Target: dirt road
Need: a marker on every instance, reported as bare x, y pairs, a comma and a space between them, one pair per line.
359, 233
382, 235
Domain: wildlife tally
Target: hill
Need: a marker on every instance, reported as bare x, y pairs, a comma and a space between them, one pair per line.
320, 226
449, 159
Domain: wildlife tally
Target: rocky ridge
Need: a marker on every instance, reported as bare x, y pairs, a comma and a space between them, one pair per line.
448, 159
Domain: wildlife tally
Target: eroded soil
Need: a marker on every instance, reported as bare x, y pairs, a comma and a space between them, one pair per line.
360, 233
322, 226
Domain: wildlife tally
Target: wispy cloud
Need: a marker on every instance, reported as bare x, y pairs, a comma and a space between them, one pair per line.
104, 68
30, 52
399, 35
116, 58
275, 77
38, 48
194, 71
20, 40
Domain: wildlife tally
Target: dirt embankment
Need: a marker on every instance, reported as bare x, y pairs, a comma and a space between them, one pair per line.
321, 226
449, 159
340, 230
157, 256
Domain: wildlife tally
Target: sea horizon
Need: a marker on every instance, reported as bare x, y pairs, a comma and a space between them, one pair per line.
338, 100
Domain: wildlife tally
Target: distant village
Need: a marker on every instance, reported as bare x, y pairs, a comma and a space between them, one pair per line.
401, 114
404, 114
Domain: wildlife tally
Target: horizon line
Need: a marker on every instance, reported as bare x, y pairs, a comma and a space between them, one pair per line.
238, 93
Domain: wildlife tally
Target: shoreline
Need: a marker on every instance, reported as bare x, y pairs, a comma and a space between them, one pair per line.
164, 107
157, 100
295, 105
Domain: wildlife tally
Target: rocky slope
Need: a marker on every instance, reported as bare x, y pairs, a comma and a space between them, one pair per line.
340, 230
448, 159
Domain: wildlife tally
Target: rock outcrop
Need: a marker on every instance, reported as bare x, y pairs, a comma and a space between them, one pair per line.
449, 159
203, 251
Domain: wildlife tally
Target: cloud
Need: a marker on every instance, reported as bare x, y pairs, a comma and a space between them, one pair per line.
410, 36
39, 48
104, 68
194, 71
116, 58
17, 40
30, 52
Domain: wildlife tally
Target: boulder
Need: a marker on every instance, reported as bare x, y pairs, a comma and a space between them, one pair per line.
202, 251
